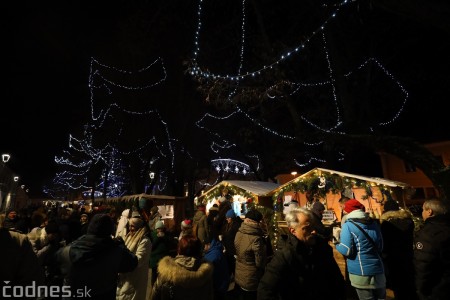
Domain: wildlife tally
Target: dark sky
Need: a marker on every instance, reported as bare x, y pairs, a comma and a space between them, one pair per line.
45, 94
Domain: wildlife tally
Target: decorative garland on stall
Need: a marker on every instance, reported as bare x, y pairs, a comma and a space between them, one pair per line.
317, 186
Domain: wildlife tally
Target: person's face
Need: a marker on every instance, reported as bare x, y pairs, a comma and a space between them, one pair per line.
12, 215
303, 231
229, 220
132, 228
426, 212
83, 219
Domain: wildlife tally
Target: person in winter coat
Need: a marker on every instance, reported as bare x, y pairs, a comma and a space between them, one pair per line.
397, 228
317, 209
185, 277
11, 221
432, 252
133, 285
225, 204
201, 224
92, 262
210, 219
84, 221
186, 228
160, 248
122, 226
363, 255
221, 276
154, 217
233, 224
305, 267
251, 254
19, 264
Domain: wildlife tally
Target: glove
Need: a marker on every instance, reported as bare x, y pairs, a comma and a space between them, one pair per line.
336, 235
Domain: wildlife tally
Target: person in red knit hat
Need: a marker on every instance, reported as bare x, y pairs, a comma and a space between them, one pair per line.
186, 228
351, 205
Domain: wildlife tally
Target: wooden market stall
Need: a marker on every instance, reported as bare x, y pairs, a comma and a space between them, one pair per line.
172, 209
328, 186
242, 193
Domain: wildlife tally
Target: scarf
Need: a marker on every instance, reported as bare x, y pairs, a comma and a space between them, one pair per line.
133, 239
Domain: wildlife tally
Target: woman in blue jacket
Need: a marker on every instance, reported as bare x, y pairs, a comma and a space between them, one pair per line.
361, 243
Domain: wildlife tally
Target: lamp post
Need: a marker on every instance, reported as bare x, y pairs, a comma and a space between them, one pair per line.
5, 157
3, 175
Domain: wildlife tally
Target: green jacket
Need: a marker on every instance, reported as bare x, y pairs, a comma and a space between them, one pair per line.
160, 248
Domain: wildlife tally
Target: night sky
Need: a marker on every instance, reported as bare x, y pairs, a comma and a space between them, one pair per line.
45, 94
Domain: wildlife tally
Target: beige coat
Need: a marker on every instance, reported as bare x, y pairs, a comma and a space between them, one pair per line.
133, 285
183, 278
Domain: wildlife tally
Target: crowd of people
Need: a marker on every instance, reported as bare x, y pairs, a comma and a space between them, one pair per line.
73, 253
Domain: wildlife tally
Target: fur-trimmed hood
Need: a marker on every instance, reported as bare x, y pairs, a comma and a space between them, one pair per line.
395, 214
187, 272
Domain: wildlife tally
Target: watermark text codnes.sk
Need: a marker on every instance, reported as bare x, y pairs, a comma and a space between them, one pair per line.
33, 290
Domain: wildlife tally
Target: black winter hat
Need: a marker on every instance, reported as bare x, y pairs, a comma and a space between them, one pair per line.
254, 215
52, 227
101, 225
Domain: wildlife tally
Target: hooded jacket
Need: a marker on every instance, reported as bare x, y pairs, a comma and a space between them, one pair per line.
362, 258
183, 278
251, 255
201, 225
221, 273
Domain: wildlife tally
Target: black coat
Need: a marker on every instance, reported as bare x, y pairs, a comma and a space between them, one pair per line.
298, 271
432, 258
397, 228
93, 263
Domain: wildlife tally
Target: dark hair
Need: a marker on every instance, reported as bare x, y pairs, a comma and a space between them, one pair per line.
101, 225
343, 199
190, 246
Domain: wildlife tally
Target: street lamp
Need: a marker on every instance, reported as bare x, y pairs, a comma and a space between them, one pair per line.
5, 157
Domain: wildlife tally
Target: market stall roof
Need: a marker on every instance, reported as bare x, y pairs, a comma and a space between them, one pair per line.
375, 180
145, 196
258, 188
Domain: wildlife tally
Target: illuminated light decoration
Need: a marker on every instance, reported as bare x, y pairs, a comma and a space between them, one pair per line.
230, 165
16, 178
338, 123
196, 70
328, 181
95, 74
397, 82
84, 147
88, 193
